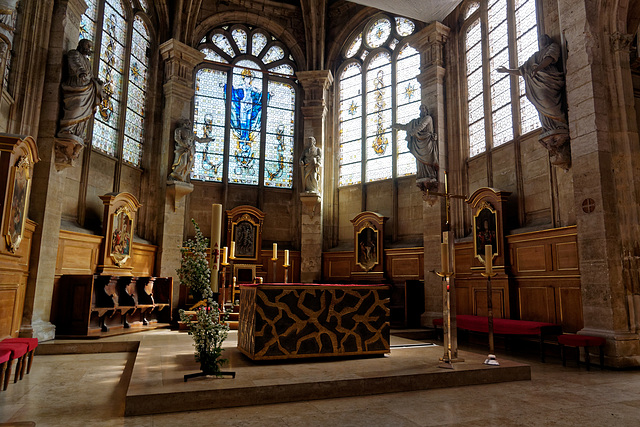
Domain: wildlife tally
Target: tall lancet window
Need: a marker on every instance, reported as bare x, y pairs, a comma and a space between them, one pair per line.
377, 87
497, 33
245, 109
121, 40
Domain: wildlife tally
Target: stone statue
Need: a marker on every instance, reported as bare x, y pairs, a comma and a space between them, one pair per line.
423, 144
81, 95
544, 86
310, 162
185, 150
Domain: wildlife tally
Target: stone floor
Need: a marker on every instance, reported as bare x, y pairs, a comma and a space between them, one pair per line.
89, 390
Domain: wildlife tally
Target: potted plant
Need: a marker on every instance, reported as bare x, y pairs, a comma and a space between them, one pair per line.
206, 322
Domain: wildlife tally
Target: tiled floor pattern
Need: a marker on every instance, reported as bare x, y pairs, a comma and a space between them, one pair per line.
89, 390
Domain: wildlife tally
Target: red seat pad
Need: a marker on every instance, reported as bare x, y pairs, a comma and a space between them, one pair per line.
580, 340
31, 342
500, 326
5, 355
17, 349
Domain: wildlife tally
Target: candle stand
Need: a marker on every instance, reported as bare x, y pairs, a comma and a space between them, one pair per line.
491, 358
286, 273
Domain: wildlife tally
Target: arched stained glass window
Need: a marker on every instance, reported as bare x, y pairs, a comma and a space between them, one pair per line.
377, 86
499, 103
247, 111
122, 47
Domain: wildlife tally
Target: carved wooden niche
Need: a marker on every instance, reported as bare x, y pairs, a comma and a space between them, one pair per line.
487, 205
245, 229
119, 224
368, 237
18, 155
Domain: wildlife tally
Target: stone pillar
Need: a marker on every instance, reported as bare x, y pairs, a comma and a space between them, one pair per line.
604, 180
45, 206
316, 86
430, 43
180, 61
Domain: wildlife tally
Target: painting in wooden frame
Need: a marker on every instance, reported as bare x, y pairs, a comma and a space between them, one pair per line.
19, 155
485, 225
120, 211
367, 255
368, 239
121, 235
245, 229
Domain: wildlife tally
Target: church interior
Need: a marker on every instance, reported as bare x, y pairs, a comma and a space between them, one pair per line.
451, 169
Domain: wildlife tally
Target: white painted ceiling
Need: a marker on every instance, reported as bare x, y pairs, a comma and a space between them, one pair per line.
422, 10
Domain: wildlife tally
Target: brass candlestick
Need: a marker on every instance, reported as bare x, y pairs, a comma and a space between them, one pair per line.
491, 358
286, 273
223, 294
275, 268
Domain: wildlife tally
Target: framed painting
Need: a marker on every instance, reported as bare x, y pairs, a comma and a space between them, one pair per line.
121, 235
485, 224
16, 210
245, 233
367, 254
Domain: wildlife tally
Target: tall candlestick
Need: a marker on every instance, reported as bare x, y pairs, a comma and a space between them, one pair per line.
225, 260
488, 258
444, 252
216, 225
275, 251
286, 257
232, 251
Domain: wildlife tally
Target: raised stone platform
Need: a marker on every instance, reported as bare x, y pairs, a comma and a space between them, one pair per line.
164, 357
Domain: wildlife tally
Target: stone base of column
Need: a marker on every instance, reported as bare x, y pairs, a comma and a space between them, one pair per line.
426, 318
621, 350
44, 331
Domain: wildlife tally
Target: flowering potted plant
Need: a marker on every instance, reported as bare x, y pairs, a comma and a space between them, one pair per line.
207, 324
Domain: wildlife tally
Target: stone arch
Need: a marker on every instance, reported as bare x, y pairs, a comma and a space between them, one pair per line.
277, 30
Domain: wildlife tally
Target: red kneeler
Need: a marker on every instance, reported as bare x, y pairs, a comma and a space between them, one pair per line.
578, 341
32, 343
18, 352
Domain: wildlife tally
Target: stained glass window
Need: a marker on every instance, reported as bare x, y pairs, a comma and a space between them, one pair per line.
499, 100
372, 89
260, 123
120, 34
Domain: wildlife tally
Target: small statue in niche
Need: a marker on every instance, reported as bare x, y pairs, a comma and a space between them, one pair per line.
422, 142
544, 85
311, 162
81, 95
185, 150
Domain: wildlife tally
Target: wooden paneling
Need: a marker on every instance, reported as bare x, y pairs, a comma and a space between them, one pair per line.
569, 298
566, 256
77, 253
8, 296
480, 302
401, 264
530, 259
143, 258
537, 303
337, 266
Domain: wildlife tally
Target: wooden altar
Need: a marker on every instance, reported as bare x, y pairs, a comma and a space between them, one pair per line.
283, 321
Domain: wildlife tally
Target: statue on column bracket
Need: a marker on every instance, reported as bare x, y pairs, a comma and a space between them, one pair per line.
422, 142
544, 85
185, 150
311, 162
81, 95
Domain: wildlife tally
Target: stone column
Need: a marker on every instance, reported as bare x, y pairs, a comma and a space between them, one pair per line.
180, 61
45, 206
430, 42
604, 179
316, 86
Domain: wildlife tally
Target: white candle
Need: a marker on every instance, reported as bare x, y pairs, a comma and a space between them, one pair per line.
216, 225
286, 257
232, 251
275, 251
225, 261
444, 252
488, 258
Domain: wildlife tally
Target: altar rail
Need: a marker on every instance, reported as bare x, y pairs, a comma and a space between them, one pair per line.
93, 305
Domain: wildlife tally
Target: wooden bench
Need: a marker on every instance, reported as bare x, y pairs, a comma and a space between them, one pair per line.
578, 341
506, 327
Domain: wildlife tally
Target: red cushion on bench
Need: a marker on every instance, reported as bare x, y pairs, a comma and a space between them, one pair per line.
500, 326
580, 340
32, 343
5, 355
17, 349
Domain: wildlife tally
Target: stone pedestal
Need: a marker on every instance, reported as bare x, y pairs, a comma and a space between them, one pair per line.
46, 196
180, 62
316, 85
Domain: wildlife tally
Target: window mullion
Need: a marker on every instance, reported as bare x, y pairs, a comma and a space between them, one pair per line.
513, 63
122, 119
486, 78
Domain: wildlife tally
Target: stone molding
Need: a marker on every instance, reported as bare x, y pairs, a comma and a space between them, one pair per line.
180, 61
430, 41
315, 83
620, 41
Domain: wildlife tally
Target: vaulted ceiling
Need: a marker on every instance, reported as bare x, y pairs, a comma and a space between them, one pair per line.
422, 10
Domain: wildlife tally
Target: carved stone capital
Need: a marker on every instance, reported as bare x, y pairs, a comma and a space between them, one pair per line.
558, 144
315, 83
620, 41
312, 111
68, 148
431, 41
177, 190
180, 61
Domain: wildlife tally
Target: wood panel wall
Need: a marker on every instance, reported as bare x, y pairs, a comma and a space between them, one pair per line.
540, 282
14, 271
401, 264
